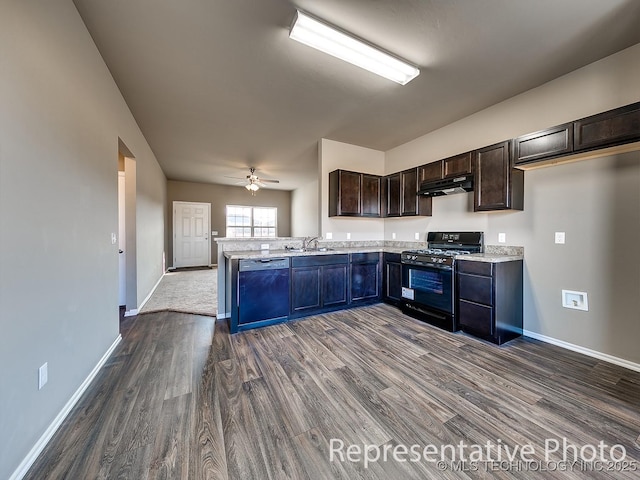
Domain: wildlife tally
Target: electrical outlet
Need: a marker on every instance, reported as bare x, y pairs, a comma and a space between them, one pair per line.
393, 236
348, 236
264, 246
417, 236
559, 237
502, 238
114, 238
329, 236
43, 375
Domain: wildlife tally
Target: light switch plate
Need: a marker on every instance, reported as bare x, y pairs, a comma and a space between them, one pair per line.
417, 236
348, 236
114, 238
264, 246
560, 237
502, 238
329, 236
393, 236
214, 233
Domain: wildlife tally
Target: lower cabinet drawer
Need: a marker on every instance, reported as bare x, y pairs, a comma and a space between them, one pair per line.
476, 288
478, 318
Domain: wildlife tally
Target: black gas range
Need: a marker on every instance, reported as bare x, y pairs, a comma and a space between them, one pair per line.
428, 276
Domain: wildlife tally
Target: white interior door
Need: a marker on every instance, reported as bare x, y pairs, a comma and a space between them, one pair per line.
191, 239
122, 238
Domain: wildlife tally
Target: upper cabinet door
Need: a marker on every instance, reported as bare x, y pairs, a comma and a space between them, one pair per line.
409, 188
497, 185
542, 145
457, 166
430, 171
370, 195
344, 193
618, 126
392, 195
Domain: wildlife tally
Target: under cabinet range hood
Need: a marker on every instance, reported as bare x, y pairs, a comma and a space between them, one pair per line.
446, 186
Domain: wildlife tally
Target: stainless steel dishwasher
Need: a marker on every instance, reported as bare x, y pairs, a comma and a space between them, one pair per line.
263, 290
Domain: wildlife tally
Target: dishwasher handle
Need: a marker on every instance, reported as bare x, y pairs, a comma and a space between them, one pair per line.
253, 264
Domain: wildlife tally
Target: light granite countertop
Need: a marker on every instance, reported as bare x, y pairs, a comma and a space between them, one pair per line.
490, 257
238, 255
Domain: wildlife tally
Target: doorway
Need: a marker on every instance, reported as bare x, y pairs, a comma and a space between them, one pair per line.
127, 263
191, 239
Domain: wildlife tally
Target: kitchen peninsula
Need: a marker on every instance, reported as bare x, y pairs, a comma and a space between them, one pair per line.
285, 282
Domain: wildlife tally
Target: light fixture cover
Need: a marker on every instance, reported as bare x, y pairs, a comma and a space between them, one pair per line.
252, 187
329, 39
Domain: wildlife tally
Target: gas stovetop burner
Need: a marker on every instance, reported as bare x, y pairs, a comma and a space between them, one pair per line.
438, 251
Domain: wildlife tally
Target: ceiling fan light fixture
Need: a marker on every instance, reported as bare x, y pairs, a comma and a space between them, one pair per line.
330, 40
252, 187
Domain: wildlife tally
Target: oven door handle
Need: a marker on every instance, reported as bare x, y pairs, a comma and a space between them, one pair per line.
430, 265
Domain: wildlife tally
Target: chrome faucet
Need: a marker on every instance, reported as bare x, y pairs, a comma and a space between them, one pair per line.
307, 241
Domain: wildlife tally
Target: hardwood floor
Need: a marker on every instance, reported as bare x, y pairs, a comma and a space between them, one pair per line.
176, 401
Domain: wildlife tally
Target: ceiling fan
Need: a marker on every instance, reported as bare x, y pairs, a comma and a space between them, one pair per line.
253, 182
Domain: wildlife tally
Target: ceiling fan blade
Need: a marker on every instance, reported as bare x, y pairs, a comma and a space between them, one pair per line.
237, 178
269, 181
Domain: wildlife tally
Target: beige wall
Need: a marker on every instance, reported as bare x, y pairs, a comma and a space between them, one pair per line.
60, 119
219, 196
305, 211
334, 155
596, 202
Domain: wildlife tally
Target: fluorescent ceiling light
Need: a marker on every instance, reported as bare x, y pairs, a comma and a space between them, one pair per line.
329, 40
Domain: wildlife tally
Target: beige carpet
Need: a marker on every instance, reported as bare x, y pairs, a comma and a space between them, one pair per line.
191, 291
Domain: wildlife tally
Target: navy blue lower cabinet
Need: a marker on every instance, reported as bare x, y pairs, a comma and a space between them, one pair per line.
319, 283
366, 278
305, 289
392, 279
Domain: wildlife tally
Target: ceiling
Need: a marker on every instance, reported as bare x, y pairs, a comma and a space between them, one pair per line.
217, 86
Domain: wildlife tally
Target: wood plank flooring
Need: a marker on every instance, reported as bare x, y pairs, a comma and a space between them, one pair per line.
176, 401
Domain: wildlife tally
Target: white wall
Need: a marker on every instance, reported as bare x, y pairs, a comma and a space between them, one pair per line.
60, 118
336, 155
595, 202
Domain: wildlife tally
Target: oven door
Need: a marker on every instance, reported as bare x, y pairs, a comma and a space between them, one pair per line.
430, 287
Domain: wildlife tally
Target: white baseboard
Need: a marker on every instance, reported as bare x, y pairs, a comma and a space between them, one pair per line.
586, 351
148, 296
31, 457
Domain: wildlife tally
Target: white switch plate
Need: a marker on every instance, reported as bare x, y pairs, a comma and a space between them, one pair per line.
393, 236
575, 300
348, 236
214, 233
114, 238
264, 246
559, 237
329, 236
502, 238
43, 375
417, 236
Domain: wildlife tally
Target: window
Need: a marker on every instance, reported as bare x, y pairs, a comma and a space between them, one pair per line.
247, 222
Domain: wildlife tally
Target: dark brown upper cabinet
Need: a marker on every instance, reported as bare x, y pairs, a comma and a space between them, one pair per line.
498, 186
354, 194
412, 204
543, 145
449, 167
457, 166
430, 171
391, 195
615, 127
371, 195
